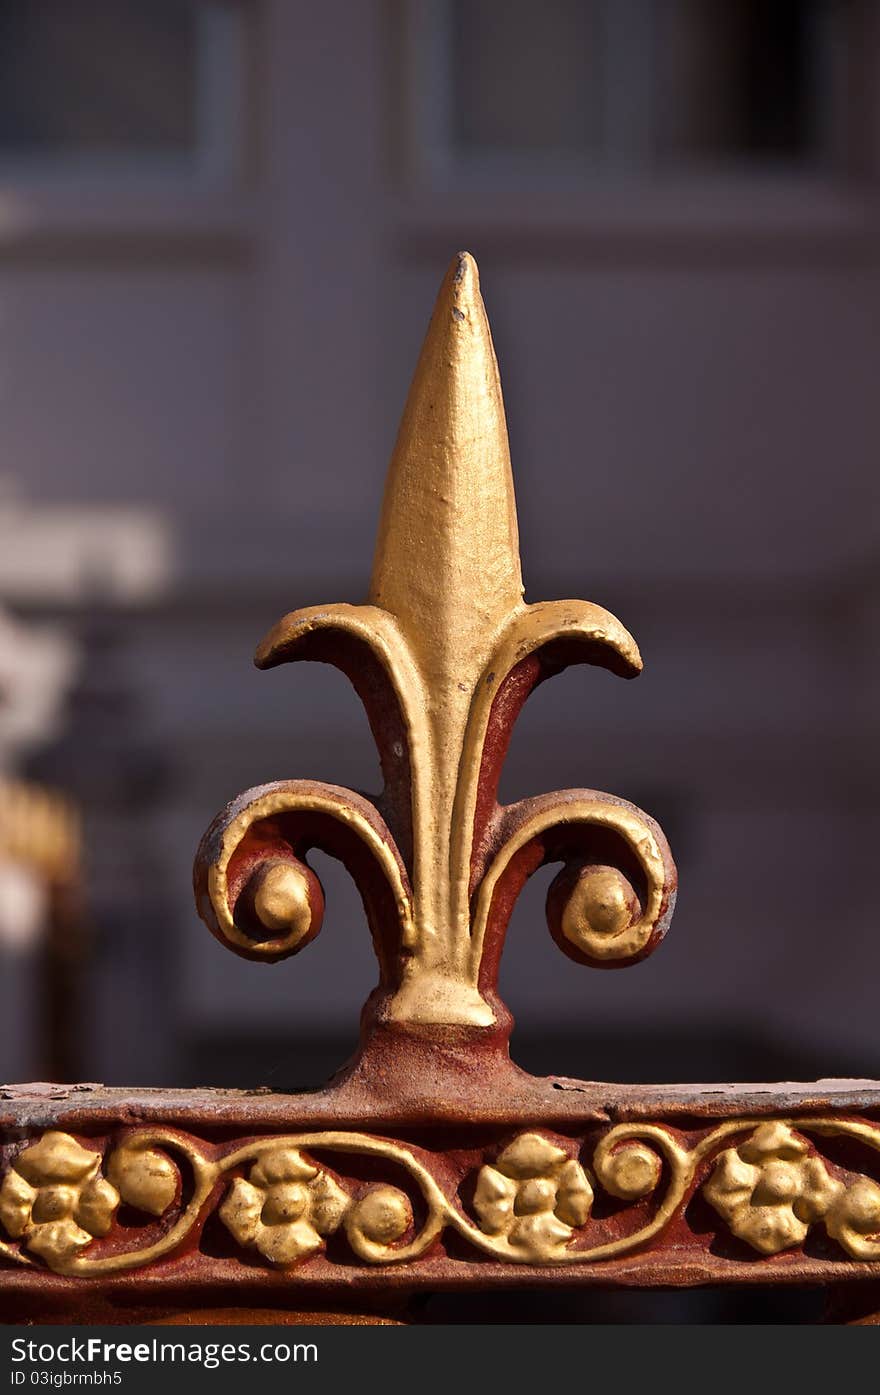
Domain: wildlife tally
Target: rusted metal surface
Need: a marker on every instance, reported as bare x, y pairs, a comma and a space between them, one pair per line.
210, 1265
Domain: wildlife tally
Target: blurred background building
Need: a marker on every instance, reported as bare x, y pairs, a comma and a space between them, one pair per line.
222, 226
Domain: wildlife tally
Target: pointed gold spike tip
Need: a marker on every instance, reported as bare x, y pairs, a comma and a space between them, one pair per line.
447, 553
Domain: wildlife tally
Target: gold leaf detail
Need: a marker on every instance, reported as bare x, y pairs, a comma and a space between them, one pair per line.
854, 1216
55, 1201
534, 1197
97, 1203
17, 1198
58, 1241
493, 1200
144, 1178
539, 1235
574, 1195
56, 1158
285, 1244
241, 1211
770, 1188
329, 1204
285, 1207
530, 1155
282, 1165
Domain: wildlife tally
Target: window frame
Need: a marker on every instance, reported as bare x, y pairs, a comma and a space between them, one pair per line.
217, 156
773, 198
208, 206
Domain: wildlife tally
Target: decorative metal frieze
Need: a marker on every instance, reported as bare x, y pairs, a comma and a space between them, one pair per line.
530, 1202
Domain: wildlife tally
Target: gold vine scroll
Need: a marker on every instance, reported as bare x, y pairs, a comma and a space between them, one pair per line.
532, 1201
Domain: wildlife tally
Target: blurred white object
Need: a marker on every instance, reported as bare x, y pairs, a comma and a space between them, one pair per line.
37, 666
63, 553
23, 908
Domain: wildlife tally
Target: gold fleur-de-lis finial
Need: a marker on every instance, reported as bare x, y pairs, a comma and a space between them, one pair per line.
443, 656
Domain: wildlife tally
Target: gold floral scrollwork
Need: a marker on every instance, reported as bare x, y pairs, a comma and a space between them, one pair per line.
535, 1196
285, 1208
531, 1204
54, 1199
771, 1188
